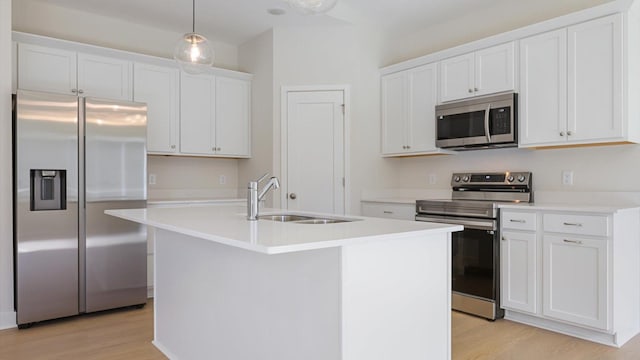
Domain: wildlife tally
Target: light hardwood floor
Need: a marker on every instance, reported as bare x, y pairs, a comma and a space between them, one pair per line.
127, 334
118, 334
475, 339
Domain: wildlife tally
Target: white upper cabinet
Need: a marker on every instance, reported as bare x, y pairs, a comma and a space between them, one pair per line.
408, 111
214, 116
46, 69
104, 77
595, 80
458, 77
571, 85
232, 109
394, 110
67, 72
483, 72
158, 87
197, 114
543, 88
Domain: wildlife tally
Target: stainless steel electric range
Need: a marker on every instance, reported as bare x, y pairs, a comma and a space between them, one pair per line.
476, 250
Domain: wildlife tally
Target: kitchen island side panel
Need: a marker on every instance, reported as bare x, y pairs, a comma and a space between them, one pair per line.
397, 299
214, 301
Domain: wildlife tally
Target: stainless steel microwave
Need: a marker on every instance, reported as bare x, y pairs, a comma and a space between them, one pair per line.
485, 122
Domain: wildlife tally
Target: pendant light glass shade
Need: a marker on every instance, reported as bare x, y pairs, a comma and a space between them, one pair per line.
193, 52
312, 6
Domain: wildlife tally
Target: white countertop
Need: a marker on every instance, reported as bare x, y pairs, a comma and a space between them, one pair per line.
568, 207
228, 225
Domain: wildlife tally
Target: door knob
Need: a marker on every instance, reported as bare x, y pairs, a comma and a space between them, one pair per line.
292, 196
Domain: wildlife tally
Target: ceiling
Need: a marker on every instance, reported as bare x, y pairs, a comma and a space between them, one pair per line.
236, 21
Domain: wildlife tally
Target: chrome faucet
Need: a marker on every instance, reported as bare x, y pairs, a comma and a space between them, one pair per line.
254, 197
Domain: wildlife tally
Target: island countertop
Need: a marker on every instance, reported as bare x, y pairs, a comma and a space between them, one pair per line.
228, 225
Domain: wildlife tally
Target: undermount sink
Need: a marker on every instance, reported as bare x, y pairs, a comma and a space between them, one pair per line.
301, 219
284, 217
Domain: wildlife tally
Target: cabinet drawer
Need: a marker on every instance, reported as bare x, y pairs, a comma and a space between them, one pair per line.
389, 210
596, 225
518, 220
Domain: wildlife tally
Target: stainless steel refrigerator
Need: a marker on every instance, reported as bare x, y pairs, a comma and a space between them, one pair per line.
74, 158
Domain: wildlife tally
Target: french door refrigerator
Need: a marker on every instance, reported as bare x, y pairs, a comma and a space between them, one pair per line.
74, 158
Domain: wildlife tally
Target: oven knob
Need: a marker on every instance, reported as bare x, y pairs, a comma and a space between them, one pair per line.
521, 178
465, 178
510, 178
456, 178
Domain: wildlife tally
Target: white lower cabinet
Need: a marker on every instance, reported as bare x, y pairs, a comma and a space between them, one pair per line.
574, 272
389, 210
575, 280
518, 262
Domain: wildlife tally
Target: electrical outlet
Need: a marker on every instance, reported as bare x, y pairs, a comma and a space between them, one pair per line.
567, 177
222, 179
433, 179
152, 179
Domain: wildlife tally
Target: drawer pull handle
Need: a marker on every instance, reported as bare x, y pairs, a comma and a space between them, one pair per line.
573, 224
572, 241
517, 221
388, 212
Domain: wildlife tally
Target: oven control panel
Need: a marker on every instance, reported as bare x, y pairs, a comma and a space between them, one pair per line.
491, 179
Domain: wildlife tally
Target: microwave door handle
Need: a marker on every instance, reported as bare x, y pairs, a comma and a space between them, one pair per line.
486, 123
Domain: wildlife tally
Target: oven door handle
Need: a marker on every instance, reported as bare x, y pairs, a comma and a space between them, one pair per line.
479, 224
486, 123
444, 214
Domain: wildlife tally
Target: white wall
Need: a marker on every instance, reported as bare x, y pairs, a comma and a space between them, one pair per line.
7, 315
256, 57
192, 178
40, 18
332, 56
491, 20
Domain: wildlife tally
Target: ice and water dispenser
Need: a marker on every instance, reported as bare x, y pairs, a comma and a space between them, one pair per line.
48, 189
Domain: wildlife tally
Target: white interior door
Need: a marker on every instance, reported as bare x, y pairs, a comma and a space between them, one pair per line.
315, 151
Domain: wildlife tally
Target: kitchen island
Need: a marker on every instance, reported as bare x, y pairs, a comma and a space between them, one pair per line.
229, 288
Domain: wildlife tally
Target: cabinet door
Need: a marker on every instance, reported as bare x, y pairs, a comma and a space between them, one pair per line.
45, 69
394, 113
495, 69
543, 88
421, 119
158, 87
518, 271
232, 109
457, 77
104, 77
197, 111
595, 79
575, 280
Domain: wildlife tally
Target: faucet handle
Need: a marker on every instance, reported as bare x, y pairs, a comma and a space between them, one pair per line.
262, 177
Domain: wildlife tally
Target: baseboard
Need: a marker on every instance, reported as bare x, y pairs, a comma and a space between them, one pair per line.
150, 292
600, 337
164, 350
7, 320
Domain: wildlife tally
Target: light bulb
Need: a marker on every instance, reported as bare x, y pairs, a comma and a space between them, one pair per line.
194, 53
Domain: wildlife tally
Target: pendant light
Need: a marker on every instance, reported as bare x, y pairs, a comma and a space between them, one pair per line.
312, 6
193, 52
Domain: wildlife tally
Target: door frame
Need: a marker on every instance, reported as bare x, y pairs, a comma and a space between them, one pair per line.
284, 127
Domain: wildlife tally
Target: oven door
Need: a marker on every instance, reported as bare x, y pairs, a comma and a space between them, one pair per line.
474, 255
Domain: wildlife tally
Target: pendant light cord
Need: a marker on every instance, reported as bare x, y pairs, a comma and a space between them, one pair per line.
193, 18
